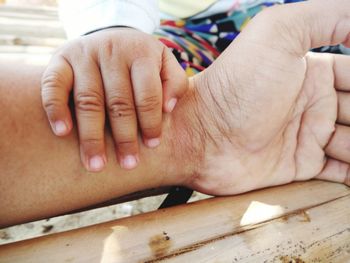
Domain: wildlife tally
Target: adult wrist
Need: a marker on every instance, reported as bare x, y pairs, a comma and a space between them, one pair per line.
185, 137
203, 128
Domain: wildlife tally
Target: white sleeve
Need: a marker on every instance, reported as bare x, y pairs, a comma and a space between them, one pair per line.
82, 16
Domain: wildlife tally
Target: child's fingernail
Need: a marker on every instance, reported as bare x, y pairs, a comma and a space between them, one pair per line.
60, 128
96, 163
129, 162
152, 143
171, 104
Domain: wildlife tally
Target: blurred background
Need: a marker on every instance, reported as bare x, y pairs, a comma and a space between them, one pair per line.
29, 33
29, 30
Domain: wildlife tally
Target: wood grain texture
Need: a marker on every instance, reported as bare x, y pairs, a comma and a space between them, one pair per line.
300, 222
319, 234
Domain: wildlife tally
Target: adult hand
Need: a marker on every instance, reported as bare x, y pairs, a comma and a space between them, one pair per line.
124, 70
268, 112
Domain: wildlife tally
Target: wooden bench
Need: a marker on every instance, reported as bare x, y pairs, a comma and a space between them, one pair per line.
299, 222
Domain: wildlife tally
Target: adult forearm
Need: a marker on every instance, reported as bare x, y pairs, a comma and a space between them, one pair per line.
42, 175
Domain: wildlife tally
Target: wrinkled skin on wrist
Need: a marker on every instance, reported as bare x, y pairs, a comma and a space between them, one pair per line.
265, 112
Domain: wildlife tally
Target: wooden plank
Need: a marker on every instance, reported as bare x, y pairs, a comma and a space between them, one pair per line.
320, 234
179, 232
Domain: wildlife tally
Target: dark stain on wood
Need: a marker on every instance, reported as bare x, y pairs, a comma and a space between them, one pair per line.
47, 229
193, 247
302, 216
288, 259
160, 245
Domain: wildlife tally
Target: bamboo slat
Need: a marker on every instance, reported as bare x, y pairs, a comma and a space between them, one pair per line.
299, 222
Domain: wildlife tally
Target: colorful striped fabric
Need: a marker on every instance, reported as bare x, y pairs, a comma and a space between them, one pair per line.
196, 43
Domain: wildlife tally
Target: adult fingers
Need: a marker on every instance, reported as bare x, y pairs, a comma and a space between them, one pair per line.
341, 64
335, 171
341, 72
56, 84
300, 26
339, 145
121, 112
174, 80
148, 98
343, 108
90, 113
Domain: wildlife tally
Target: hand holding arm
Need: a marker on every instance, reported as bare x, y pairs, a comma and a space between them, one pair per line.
265, 113
126, 71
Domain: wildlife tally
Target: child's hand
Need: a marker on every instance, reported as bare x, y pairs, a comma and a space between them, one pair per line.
130, 74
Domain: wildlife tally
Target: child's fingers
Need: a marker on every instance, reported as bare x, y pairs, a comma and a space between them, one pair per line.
56, 84
121, 111
174, 80
90, 113
148, 98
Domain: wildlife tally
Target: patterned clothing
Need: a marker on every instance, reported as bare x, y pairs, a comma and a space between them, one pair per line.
196, 43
